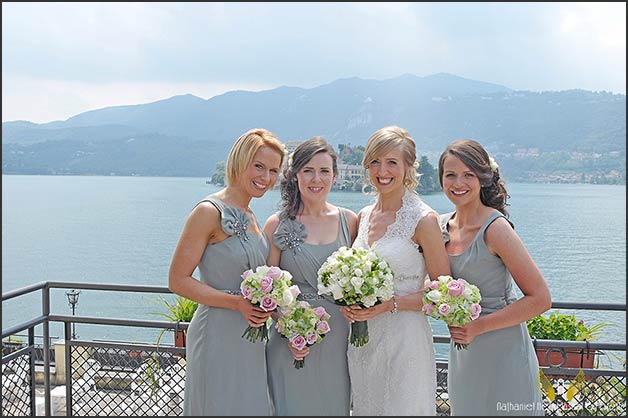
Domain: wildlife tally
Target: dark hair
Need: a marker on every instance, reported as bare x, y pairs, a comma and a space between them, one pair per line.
290, 195
493, 191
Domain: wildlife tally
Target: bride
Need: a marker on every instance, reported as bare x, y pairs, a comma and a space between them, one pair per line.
395, 372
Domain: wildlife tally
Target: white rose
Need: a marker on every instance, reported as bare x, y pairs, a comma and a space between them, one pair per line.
357, 282
434, 296
336, 291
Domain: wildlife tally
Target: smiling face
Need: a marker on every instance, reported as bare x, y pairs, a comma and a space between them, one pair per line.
387, 171
460, 184
316, 177
262, 173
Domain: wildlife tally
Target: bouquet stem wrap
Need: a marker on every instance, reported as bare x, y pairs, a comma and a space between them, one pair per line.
359, 333
253, 334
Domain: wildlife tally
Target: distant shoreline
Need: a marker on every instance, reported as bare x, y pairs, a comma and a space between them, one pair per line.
518, 180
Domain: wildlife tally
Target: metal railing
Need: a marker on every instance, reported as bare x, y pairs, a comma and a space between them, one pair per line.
125, 378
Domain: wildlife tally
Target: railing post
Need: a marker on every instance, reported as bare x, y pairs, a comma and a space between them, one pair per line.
68, 369
31, 367
45, 310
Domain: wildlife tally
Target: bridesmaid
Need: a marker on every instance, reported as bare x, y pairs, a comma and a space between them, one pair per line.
226, 374
304, 233
498, 373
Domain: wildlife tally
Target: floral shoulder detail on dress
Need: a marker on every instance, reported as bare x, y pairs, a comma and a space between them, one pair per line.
235, 222
290, 234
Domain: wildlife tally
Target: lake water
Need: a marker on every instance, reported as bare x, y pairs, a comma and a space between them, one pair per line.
124, 230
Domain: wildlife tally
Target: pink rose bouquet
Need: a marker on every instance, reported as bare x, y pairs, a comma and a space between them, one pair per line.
267, 288
303, 326
454, 301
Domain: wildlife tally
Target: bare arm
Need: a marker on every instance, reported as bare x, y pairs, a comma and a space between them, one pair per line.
504, 242
201, 228
429, 236
274, 256
353, 221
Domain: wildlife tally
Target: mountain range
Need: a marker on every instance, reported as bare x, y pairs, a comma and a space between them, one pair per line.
536, 133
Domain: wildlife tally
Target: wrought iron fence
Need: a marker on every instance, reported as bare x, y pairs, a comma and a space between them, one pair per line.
130, 379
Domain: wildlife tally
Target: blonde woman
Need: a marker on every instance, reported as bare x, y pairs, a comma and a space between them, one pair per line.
395, 372
226, 374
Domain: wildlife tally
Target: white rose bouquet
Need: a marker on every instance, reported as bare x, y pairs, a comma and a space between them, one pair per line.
454, 301
267, 288
356, 276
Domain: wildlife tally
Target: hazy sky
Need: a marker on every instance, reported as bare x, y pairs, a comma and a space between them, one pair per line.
61, 59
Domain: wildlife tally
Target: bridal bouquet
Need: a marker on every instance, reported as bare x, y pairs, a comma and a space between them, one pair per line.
454, 301
303, 326
267, 288
356, 276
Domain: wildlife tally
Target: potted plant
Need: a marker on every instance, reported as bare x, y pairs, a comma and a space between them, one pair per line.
565, 327
11, 344
181, 310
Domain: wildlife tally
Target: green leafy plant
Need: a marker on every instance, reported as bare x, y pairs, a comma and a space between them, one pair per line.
13, 339
564, 327
181, 310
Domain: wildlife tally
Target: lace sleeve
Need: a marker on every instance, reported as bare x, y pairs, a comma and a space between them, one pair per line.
412, 210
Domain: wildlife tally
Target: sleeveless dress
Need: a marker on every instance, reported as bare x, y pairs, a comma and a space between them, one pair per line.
225, 373
321, 387
395, 372
498, 373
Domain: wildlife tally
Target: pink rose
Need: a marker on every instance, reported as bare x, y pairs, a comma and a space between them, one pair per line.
274, 272
323, 327
444, 309
428, 308
267, 284
311, 338
246, 292
476, 308
246, 274
456, 287
433, 284
268, 304
320, 311
298, 342
294, 290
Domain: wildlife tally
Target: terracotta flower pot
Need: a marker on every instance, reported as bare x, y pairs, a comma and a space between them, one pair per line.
575, 359
179, 338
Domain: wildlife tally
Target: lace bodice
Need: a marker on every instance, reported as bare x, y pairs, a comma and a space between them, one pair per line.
396, 245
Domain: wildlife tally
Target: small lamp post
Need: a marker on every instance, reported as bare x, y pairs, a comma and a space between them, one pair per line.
73, 297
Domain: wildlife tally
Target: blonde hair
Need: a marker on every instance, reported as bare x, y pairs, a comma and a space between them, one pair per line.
387, 139
244, 149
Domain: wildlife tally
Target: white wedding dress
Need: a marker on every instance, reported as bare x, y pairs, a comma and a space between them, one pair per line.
395, 372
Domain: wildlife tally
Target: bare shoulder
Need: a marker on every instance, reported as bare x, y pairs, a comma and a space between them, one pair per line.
271, 223
500, 228
203, 221
501, 236
430, 220
206, 211
352, 217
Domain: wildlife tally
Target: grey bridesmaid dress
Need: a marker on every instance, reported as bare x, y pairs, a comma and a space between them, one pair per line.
225, 373
322, 386
498, 373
